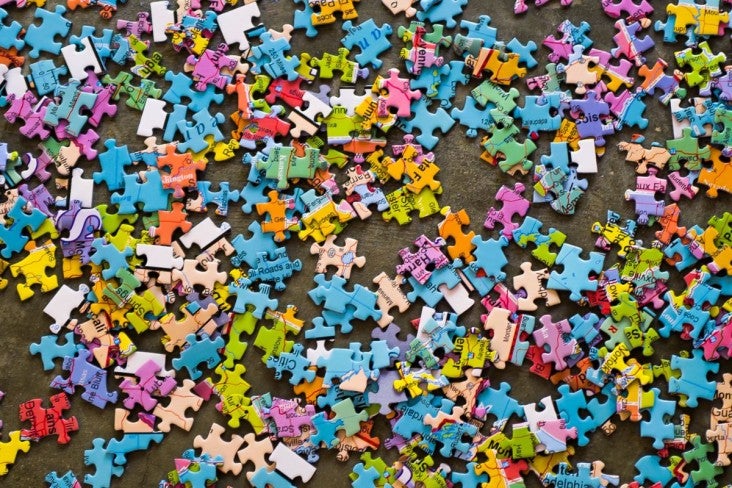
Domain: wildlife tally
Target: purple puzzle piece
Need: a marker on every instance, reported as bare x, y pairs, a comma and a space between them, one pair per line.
88, 376
645, 204
592, 114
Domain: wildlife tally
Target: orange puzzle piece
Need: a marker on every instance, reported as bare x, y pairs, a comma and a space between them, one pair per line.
276, 209
170, 221
451, 228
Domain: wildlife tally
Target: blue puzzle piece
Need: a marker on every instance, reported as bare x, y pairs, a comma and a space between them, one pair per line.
426, 122
370, 39
174, 118
45, 76
10, 34
247, 250
473, 116
365, 478
448, 85
102, 44
450, 437
659, 427
69, 104
41, 37
219, 198
294, 363
698, 121
570, 406
575, 276
540, 113
668, 28
651, 470
333, 296
441, 11
681, 252
469, 479
254, 193
411, 421
429, 80
132, 442
264, 478
259, 299
270, 56
325, 430
200, 477
585, 327
675, 318
49, 348
103, 461
481, 283
499, 404
334, 395
490, 257
558, 157
481, 30
181, 87
108, 253
204, 124
150, 193
304, 19
524, 51
342, 364
67, 480
198, 351
113, 162
693, 381
581, 477
429, 291
12, 235
603, 411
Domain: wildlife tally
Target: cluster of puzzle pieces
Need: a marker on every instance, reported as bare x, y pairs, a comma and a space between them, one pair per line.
317, 163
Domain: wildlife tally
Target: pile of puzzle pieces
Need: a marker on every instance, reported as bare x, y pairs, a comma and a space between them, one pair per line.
317, 161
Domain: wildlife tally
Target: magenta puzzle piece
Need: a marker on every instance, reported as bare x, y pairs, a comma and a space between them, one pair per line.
554, 338
513, 204
428, 258
140, 392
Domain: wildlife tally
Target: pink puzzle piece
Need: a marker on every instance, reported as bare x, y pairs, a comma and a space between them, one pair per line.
651, 182
513, 204
399, 95
683, 186
421, 263
207, 68
552, 336
633, 10
290, 417
629, 45
28, 109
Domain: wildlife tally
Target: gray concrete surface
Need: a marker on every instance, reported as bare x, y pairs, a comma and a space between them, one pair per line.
468, 182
